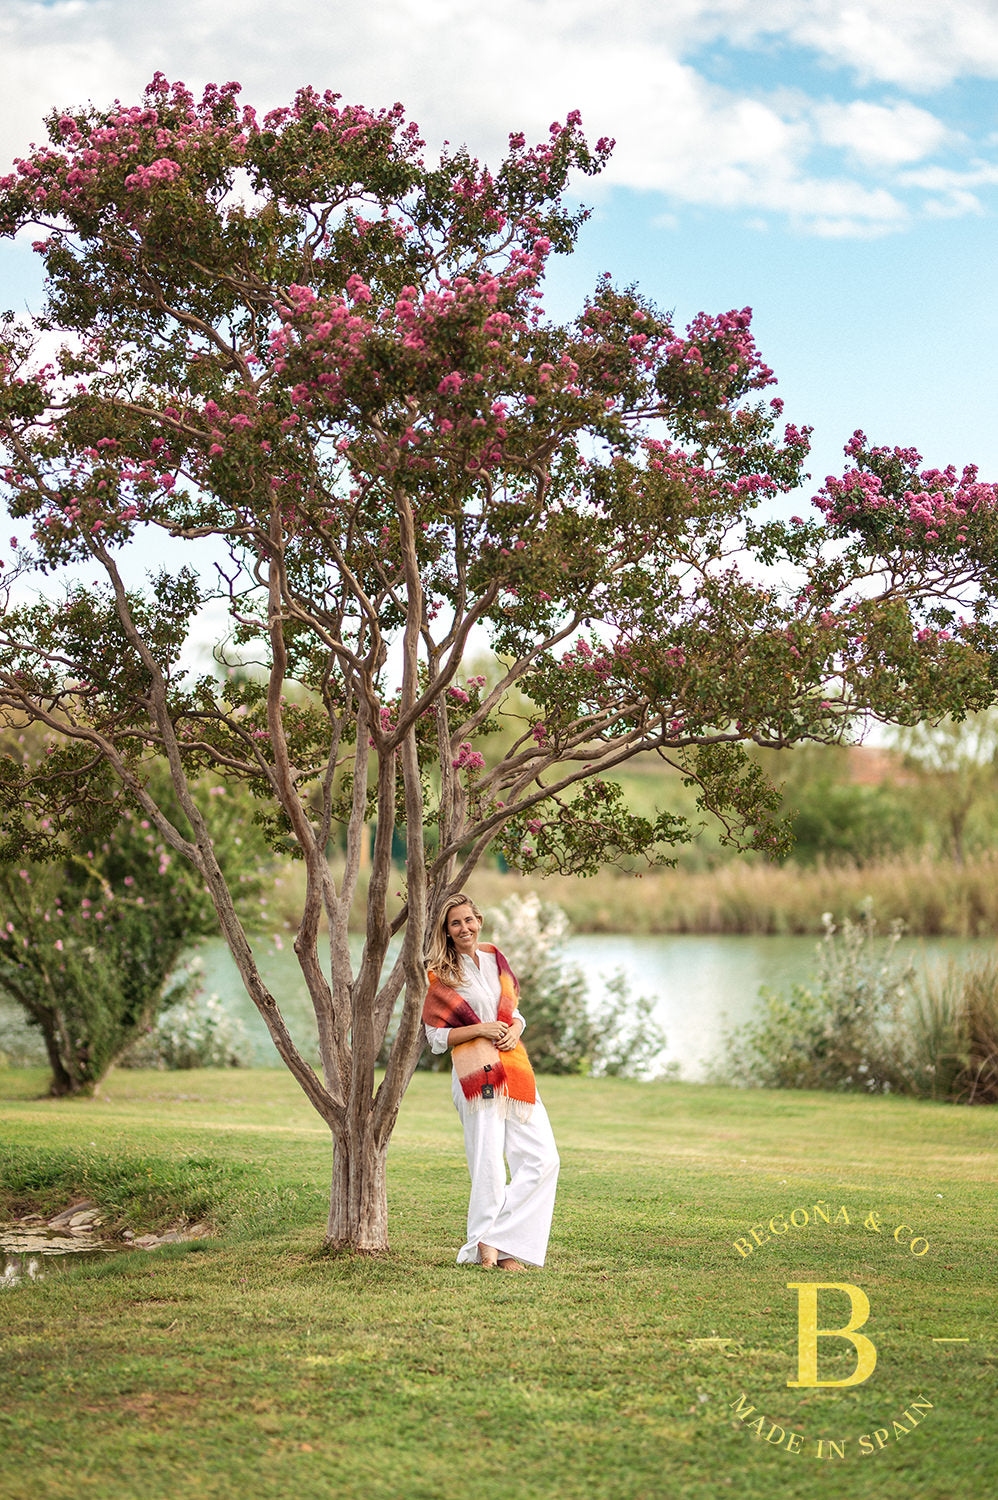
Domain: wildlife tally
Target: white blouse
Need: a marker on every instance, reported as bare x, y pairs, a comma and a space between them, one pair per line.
480, 987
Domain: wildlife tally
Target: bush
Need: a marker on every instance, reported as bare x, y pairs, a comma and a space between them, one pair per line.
565, 1033
867, 1025
86, 957
21, 1045
850, 1031
192, 1031
90, 939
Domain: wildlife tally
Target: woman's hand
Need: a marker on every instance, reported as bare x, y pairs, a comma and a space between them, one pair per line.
504, 1037
509, 1037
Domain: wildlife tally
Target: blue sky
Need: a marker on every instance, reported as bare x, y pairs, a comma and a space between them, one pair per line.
832, 165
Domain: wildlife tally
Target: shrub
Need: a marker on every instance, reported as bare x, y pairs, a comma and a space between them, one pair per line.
849, 1031
88, 960
90, 939
192, 1031
566, 1031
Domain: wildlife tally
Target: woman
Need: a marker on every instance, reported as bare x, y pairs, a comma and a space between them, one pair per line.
471, 1008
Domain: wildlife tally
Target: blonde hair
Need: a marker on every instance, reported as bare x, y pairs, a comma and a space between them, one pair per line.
441, 955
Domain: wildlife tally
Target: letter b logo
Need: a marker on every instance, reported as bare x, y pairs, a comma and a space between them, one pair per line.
808, 1332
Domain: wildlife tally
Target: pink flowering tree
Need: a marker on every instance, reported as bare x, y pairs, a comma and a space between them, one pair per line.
295, 340
93, 937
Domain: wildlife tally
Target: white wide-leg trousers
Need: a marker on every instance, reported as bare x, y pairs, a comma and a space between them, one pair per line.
515, 1216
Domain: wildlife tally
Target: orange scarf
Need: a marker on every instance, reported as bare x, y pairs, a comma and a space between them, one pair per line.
482, 1070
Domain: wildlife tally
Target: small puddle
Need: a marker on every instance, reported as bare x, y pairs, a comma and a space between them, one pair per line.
30, 1250
34, 1246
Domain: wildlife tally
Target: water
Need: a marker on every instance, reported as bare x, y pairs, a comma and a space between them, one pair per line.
28, 1252
699, 984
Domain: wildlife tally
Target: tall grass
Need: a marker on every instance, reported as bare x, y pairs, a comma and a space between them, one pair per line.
932, 898
954, 1029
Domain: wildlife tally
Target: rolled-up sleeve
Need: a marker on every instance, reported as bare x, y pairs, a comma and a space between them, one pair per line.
437, 1037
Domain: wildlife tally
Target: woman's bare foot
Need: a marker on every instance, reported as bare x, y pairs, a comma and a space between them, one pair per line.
507, 1263
490, 1257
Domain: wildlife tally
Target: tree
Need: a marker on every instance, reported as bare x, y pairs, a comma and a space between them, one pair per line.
955, 761
296, 338
91, 939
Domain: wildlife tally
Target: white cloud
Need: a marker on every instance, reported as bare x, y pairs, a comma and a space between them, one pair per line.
914, 44
952, 192
881, 135
918, 44
473, 74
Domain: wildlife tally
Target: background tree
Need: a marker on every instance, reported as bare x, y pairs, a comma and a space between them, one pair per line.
837, 819
954, 760
294, 339
91, 939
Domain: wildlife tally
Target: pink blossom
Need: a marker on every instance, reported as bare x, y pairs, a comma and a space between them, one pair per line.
163, 170
358, 289
468, 759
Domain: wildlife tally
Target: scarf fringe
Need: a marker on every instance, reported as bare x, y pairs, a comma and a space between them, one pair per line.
503, 1104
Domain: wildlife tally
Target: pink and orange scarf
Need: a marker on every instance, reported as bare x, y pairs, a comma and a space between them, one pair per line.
479, 1064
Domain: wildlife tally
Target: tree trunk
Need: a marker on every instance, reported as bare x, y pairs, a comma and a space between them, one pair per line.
358, 1200
62, 1082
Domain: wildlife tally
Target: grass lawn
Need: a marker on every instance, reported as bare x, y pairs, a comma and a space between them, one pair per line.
250, 1365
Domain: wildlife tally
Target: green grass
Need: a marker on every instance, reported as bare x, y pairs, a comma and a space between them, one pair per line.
252, 1365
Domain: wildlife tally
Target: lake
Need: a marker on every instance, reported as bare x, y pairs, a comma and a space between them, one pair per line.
699, 983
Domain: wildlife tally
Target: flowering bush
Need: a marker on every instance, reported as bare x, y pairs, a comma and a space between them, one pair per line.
847, 1032
194, 1031
90, 941
568, 1030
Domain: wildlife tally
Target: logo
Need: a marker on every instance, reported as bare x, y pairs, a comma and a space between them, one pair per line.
832, 1343
808, 1332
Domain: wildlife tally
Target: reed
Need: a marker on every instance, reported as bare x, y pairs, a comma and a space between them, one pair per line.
932, 898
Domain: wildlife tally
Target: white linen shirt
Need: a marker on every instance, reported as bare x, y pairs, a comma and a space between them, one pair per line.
480, 987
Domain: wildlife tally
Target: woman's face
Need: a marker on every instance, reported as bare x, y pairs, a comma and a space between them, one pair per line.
462, 928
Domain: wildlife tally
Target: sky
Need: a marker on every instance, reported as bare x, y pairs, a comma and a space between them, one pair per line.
832, 165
